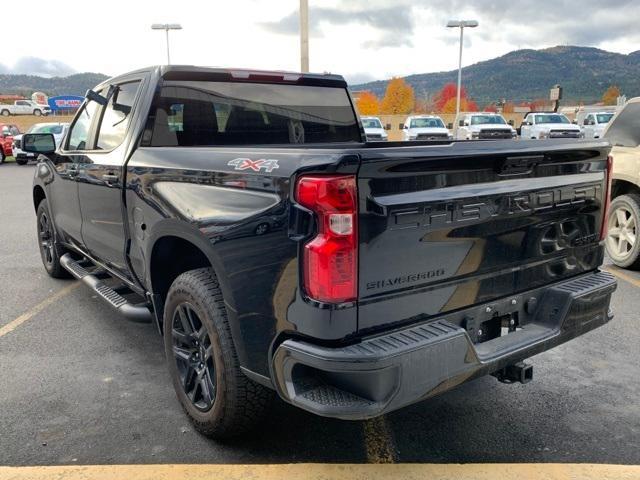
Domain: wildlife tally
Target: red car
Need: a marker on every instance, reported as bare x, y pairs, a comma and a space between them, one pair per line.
7, 131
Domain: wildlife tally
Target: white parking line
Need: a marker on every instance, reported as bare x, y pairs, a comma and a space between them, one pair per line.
15, 323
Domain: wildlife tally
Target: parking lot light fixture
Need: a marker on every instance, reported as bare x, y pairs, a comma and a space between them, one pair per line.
166, 27
461, 24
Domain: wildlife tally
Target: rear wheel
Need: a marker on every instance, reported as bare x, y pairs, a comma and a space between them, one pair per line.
622, 231
5, 113
49, 251
21, 161
2, 157
218, 398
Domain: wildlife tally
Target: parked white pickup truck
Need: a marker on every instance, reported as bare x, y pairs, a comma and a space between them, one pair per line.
594, 124
483, 125
539, 125
425, 127
25, 107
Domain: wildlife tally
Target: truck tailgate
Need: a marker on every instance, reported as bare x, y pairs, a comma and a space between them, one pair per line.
445, 227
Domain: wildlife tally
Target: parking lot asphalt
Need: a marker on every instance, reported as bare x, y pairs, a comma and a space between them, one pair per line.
80, 385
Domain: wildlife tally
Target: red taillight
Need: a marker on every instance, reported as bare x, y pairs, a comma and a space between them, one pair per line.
607, 199
330, 262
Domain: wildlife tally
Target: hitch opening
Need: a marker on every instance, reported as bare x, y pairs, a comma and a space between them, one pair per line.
518, 372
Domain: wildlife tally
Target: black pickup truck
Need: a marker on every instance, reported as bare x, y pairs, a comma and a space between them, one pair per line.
244, 214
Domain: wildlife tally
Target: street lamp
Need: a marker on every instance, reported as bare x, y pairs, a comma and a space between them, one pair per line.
461, 24
166, 27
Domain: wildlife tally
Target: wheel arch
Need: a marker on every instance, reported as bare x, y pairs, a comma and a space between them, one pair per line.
620, 186
38, 196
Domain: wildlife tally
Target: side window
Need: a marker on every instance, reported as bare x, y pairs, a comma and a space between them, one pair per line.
115, 119
79, 134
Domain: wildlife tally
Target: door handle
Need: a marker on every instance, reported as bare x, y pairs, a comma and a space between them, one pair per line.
110, 178
72, 172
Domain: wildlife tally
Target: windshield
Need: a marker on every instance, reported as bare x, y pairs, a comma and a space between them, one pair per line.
426, 123
604, 117
552, 119
484, 119
39, 128
371, 123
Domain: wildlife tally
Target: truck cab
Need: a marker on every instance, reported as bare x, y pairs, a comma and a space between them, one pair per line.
425, 127
542, 125
483, 126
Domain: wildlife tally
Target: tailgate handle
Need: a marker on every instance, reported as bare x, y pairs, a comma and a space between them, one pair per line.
520, 165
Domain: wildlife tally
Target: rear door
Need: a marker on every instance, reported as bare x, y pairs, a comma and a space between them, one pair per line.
100, 179
446, 227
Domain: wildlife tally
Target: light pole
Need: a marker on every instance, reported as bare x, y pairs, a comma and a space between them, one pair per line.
304, 36
166, 27
461, 24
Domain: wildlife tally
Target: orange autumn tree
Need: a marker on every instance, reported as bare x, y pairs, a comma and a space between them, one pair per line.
368, 104
466, 105
445, 100
611, 95
399, 98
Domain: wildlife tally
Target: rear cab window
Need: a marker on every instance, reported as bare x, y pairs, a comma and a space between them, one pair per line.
212, 113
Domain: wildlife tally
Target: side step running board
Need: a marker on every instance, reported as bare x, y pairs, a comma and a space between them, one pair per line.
135, 313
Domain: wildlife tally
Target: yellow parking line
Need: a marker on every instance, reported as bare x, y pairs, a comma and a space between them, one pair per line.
15, 323
622, 275
315, 471
378, 441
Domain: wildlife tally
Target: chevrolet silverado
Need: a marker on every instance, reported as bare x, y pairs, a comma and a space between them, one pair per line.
388, 273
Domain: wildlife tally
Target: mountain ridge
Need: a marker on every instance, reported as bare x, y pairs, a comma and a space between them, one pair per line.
528, 74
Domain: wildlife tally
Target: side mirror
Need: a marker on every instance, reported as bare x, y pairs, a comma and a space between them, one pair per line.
402, 126
387, 126
575, 122
450, 126
510, 122
461, 123
39, 143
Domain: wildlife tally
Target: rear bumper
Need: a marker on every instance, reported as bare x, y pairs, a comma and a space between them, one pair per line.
386, 372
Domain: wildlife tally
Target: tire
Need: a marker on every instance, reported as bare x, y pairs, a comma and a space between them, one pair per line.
196, 327
2, 157
5, 113
50, 253
623, 245
37, 112
21, 161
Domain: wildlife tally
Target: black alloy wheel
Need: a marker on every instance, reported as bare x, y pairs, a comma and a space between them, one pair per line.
193, 354
45, 237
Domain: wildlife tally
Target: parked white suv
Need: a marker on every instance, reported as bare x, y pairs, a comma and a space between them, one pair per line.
540, 125
594, 124
56, 129
425, 127
373, 129
483, 125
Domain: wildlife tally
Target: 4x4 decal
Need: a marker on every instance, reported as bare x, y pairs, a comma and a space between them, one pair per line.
268, 165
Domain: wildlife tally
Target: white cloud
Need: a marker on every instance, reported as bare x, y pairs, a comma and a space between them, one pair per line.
361, 39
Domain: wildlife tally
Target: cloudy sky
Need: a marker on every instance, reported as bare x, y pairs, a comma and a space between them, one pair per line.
361, 39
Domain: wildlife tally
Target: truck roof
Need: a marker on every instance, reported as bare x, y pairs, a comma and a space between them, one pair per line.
216, 74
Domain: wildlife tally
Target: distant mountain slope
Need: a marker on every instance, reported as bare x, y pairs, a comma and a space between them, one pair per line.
76, 84
584, 72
